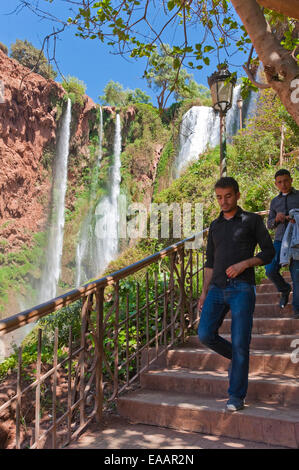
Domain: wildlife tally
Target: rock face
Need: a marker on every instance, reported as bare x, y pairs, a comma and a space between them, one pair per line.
28, 129
27, 126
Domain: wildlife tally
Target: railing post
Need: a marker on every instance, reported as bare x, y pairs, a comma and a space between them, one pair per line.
100, 353
116, 327
183, 294
38, 387
82, 359
19, 400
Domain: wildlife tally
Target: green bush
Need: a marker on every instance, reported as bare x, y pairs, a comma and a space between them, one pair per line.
75, 88
25, 53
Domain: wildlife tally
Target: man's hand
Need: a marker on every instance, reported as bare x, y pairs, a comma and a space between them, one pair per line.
290, 219
236, 269
200, 302
280, 217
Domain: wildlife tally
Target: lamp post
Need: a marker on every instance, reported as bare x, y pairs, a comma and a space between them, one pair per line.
222, 97
240, 106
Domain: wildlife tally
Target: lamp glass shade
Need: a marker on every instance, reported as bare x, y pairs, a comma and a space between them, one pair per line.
222, 90
222, 95
240, 103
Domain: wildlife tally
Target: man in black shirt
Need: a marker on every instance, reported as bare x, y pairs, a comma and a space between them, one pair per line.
230, 284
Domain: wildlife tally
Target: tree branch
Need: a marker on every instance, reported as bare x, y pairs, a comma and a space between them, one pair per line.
285, 7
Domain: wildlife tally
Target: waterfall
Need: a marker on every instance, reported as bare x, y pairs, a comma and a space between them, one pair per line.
107, 211
200, 129
86, 262
251, 104
233, 116
98, 243
52, 268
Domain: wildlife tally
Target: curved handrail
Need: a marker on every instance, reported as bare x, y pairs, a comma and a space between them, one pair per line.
37, 312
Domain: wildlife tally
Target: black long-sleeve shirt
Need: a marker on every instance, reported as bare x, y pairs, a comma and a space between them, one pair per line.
234, 240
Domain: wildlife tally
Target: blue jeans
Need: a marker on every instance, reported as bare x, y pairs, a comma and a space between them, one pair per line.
294, 270
272, 272
239, 297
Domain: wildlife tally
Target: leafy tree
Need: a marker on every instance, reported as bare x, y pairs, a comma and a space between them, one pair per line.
138, 96
115, 95
196, 90
164, 77
25, 53
223, 28
75, 88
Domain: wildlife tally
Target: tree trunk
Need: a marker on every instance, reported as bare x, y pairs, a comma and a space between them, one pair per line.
280, 67
285, 7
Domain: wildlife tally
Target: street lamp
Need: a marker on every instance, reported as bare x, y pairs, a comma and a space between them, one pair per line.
240, 106
222, 98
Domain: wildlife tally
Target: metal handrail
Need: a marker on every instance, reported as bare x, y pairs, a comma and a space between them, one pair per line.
37, 312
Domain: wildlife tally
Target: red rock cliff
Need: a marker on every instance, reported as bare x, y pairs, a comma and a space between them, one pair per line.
28, 127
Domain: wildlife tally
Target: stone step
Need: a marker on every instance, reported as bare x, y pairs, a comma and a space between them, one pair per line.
260, 342
270, 326
261, 362
271, 298
270, 311
266, 310
287, 278
271, 424
265, 388
266, 288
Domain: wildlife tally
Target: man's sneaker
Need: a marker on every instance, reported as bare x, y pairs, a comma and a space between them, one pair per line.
235, 404
284, 298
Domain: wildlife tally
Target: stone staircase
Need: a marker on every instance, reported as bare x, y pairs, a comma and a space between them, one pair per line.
187, 388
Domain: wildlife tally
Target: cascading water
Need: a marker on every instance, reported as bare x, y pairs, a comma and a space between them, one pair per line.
86, 262
233, 116
200, 129
52, 268
251, 105
107, 211
99, 239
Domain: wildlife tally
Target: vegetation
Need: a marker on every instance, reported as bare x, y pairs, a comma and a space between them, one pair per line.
165, 78
75, 89
19, 268
116, 95
222, 27
25, 53
141, 138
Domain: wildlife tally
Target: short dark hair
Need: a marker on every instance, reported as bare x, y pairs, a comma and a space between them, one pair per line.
227, 182
282, 172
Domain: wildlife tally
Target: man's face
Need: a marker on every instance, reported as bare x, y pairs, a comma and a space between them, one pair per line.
227, 198
284, 183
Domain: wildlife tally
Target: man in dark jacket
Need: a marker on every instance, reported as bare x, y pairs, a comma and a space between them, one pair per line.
278, 219
229, 283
